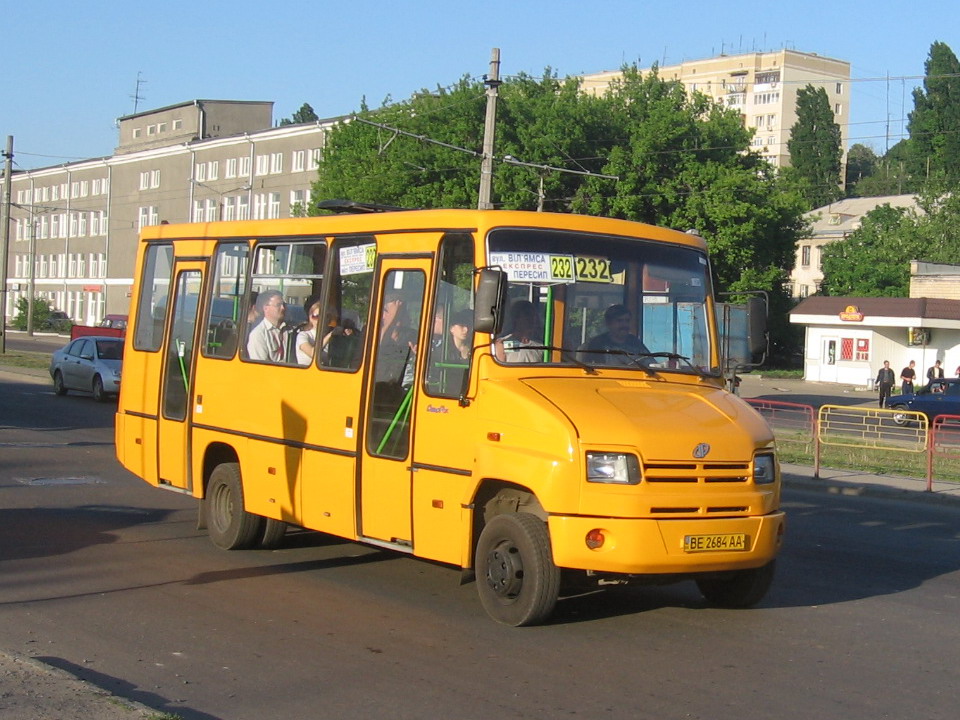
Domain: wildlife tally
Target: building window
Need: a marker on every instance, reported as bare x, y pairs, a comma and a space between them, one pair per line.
763, 78
804, 291
273, 209
201, 172
299, 160
231, 169
137, 132
805, 255
161, 127
197, 211
839, 88
213, 170
229, 208
262, 164
177, 124
837, 109
298, 203
151, 129
243, 207
313, 161
276, 163
148, 216
244, 166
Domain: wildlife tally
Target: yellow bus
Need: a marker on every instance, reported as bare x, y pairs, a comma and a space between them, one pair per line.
515, 394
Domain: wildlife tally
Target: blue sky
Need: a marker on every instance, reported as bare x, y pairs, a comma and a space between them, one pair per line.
72, 67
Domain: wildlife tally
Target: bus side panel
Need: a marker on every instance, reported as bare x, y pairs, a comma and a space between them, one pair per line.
136, 443
439, 518
271, 474
328, 493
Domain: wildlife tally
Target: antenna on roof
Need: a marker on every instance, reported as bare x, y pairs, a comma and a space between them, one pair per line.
350, 206
136, 97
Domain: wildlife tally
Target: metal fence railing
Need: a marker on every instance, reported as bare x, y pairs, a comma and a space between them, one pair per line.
876, 437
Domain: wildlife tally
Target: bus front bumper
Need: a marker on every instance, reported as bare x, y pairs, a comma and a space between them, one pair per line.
665, 546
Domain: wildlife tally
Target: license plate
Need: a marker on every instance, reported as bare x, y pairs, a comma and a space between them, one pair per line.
715, 543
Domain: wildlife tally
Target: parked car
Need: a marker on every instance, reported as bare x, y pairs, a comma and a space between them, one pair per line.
58, 321
90, 364
939, 397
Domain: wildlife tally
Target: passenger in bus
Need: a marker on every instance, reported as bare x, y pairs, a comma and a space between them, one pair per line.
461, 335
617, 338
266, 342
525, 334
398, 343
307, 335
458, 352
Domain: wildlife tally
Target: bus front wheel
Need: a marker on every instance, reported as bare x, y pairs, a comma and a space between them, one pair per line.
517, 580
229, 525
737, 588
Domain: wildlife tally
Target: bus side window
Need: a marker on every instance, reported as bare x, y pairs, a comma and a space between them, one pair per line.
227, 305
449, 356
347, 304
154, 297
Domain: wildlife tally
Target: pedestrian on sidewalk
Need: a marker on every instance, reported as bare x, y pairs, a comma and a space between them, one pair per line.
885, 381
907, 376
935, 372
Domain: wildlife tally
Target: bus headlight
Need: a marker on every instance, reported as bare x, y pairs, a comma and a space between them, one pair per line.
764, 469
613, 468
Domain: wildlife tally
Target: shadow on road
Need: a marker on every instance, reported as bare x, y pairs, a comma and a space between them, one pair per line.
42, 532
123, 689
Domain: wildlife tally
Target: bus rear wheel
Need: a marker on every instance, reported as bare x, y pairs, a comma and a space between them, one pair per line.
517, 580
230, 526
737, 588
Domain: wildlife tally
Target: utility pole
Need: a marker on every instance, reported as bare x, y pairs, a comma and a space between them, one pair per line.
489, 126
7, 179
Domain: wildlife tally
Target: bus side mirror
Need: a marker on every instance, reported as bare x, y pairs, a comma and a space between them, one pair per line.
757, 325
491, 299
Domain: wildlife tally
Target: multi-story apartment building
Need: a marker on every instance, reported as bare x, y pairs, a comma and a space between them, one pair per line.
197, 161
762, 87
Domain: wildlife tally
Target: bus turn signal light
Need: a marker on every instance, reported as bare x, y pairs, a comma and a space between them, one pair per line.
595, 539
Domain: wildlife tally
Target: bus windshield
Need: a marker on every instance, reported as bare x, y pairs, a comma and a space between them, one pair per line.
598, 300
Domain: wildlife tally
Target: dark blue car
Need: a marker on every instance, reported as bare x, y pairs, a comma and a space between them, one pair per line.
940, 397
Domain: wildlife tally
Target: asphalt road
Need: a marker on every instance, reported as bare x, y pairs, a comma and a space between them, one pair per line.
109, 578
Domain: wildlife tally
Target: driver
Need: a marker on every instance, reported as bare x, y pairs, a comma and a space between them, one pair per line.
617, 337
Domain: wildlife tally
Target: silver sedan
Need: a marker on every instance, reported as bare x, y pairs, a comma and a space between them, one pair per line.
90, 364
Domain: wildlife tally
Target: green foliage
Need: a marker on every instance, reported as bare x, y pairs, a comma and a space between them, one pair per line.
41, 314
815, 150
304, 115
874, 261
682, 161
934, 124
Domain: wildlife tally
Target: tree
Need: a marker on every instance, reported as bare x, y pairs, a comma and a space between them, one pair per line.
934, 124
815, 151
862, 163
874, 260
41, 313
304, 115
682, 161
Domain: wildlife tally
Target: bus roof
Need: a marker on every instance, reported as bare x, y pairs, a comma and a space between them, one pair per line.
448, 220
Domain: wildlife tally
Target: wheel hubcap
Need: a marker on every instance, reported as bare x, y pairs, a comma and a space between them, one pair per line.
505, 570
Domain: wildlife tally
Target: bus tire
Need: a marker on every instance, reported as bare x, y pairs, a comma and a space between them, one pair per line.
517, 580
230, 526
738, 588
273, 533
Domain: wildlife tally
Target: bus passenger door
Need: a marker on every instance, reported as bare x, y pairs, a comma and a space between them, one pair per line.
177, 382
385, 474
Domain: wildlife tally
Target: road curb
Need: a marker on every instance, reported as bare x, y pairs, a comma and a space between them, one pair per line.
866, 489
